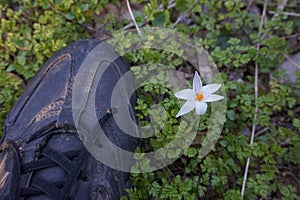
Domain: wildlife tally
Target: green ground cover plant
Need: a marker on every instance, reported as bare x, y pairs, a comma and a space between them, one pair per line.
244, 38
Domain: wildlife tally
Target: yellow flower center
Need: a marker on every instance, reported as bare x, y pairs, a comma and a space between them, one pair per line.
199, 96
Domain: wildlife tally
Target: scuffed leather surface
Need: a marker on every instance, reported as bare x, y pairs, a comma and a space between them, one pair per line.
9, 172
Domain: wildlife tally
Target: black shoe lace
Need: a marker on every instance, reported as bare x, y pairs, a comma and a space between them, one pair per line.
72, 162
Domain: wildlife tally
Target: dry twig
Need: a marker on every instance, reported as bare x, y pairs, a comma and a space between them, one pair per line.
133, 19
262, 131
160, 8
256, 105
285, 13
280, 7
185, 13
171, 4
291, 61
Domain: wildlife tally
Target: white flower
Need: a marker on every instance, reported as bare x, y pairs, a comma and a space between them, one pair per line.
198, 96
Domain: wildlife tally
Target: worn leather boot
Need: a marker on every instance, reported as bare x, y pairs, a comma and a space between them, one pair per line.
41, 153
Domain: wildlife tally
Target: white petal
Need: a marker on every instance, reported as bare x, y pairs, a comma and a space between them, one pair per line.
212, 88
197, 84
213, 97
205, 92
201, 107
187, 107
186, 94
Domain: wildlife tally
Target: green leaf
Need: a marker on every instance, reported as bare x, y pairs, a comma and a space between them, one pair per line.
161, 18
230, 114
182, 5
43, 19
21, 59
296, 123
81, 19
244, 58
229, 5
191, 152
223, 143
230, 148
234, 41
70, 16
10, 68
233, 103
230, 162
84, 7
